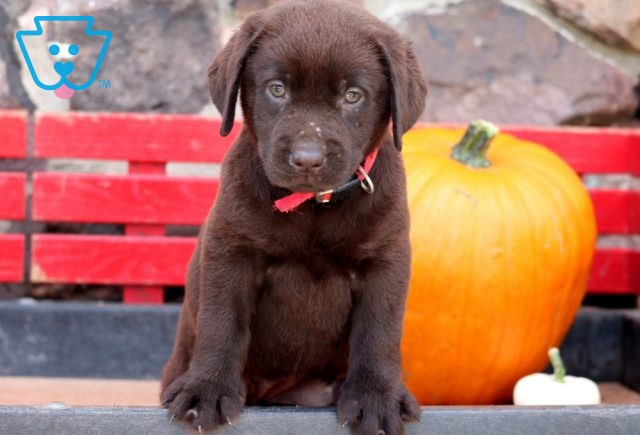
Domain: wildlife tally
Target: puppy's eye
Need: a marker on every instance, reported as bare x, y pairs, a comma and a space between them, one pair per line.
353, 95
277, 89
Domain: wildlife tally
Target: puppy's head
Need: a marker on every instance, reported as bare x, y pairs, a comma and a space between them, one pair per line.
320, 81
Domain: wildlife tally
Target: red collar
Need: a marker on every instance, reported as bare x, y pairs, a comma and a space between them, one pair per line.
292, 201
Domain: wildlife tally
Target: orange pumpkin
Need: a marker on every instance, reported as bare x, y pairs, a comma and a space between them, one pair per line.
502, 247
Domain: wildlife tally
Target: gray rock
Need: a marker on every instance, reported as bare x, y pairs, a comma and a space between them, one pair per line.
14, 8
485, 59
157, 58
6, 100
613, 21
244, 7
12, 93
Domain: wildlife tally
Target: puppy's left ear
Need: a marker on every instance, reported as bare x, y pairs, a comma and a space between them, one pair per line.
407, 85
225, 72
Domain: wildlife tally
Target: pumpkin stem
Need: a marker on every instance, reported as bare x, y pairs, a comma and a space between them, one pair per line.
558, 366
472, 149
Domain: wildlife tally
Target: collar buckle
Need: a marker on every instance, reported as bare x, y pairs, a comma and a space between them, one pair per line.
324, 196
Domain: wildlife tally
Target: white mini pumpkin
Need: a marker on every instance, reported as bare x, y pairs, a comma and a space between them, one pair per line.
557, 388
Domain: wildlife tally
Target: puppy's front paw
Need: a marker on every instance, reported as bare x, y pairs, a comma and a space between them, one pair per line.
204, 403
375, 411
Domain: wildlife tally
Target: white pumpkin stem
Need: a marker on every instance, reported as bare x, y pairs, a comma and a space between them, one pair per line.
559, 371
472, 148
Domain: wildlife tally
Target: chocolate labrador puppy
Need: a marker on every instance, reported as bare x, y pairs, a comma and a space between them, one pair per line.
296, 291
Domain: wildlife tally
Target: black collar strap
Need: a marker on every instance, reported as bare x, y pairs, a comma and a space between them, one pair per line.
347, 189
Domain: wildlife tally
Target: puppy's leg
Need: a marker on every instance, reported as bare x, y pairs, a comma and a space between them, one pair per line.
181, 356
212, 391
185, 334
373, 397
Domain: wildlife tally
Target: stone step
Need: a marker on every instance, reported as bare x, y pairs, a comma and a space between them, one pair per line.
570, 420
114, 341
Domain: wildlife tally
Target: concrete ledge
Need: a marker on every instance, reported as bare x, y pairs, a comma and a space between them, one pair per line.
115, 341
593, 346
571, 420
631, 350
71, 339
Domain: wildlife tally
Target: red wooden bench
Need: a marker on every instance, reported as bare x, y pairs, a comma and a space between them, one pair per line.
13, 144
144, 259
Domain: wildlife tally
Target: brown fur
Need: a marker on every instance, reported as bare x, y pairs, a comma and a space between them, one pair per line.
304, 307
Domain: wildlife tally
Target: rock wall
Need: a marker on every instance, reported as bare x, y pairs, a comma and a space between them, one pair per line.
525, 73
511, 61
615, 22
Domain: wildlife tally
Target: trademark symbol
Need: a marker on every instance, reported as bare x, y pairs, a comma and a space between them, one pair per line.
104, 84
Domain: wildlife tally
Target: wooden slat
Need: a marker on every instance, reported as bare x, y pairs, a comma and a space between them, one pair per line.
156, 138
163, 261
122, 198
612, 208
635, 271
178, 200
634, 154
134, 137
12, 191
587, 150
144, 294
93, 259
13, 133
634, 212
611, 272
11, 257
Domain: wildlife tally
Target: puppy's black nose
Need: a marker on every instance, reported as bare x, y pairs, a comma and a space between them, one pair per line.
307, 157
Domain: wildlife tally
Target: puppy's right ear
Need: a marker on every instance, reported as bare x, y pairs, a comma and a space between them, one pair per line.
225, 72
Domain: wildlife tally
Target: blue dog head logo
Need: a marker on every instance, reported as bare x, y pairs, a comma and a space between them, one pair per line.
63, 85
